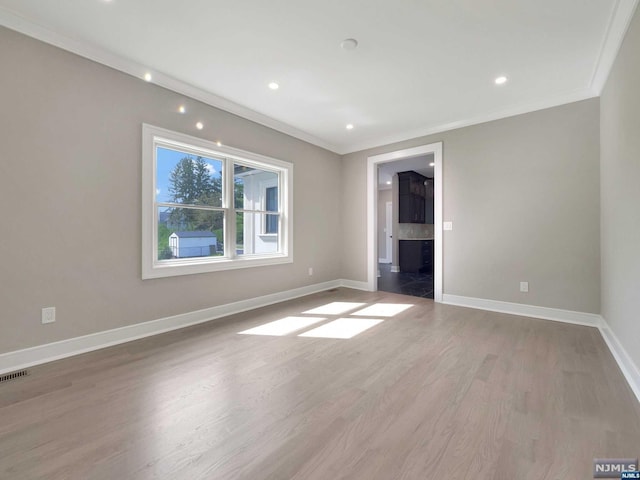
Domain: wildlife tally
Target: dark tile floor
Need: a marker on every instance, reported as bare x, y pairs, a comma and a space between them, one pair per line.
415, 284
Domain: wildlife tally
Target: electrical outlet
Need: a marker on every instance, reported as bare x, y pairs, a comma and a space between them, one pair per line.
48, 315
447, 225
524, 287
310, 271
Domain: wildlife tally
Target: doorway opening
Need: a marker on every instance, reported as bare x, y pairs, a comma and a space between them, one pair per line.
404, 221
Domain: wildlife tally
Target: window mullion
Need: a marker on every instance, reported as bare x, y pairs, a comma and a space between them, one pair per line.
281, 200
230, 215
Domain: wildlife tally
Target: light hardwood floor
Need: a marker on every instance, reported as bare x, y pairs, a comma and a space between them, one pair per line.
435, 392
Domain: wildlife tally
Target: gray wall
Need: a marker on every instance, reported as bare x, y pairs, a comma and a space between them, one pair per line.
523, 196
70, 188
620, 193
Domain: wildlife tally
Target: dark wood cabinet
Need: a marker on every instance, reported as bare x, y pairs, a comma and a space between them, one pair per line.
415, 202
416, 256
427, 256
429, 206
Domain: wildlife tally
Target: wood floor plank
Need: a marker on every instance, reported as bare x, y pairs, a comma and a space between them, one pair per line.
433, 392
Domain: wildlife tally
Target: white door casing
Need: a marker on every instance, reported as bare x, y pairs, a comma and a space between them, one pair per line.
372, 211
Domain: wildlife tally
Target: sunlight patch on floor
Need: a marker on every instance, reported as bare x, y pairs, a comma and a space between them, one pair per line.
283, 326
334, 308
342, 328
383, 310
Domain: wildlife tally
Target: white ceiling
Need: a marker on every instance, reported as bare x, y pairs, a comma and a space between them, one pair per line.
417, 164
422, 66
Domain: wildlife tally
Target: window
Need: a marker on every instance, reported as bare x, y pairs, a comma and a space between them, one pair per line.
208, 208
271, 222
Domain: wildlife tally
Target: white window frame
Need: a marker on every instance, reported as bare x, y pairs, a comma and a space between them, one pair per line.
152, 137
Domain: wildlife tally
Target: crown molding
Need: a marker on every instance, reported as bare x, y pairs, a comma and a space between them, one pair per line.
616, 30
87, 50
563, 99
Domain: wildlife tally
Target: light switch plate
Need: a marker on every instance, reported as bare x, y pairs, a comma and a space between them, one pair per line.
447, 225
524, 287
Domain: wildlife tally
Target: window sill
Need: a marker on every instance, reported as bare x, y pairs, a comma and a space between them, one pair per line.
178, 268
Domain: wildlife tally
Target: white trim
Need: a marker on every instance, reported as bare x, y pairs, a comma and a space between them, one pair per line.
629, 369
49, 352
438, 201
29, 357
355, 285
523, 310
385, 141
152, 268
372, 206
384, 260
618, 25
627, 366
395, 269
619, 22
20, 24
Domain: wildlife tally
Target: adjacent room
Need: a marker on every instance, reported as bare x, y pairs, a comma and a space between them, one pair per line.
319, 240
406, 206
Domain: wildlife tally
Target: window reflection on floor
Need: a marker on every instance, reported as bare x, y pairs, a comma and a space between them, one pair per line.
344, 328
334, 308
283, 326
383, 310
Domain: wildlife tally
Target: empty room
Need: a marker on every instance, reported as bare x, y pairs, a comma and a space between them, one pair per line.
319, 240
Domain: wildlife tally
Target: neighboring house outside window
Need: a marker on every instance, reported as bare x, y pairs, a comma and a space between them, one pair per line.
209, 208
271, 198
255, 183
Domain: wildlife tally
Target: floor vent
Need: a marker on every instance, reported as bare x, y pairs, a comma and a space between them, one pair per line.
13, 375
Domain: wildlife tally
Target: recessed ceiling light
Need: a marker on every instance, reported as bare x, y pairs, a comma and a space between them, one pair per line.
147, 77
389, 182
432, 164
349, 44
501, 80
199, 125
349, 126
182, 109
219, 143
274, 86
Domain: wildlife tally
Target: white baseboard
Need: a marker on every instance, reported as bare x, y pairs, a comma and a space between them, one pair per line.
384, 260
395, 269
629, 369
559, 315
354, 284
29, 357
